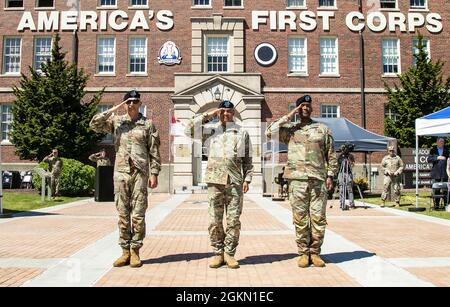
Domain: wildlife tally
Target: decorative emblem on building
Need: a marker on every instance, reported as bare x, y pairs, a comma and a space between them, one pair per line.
169, 54
265, 54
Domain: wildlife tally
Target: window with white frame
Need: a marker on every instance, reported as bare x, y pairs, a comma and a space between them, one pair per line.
139, 3
426, 48
137, 55
218, 54
297, 55
106, 55
296, 117
11, 55
329, 111
326, 3
103, 108
14, 3
42, 51
391, 56
143, 110
45, 3
389, 113
295, 3
201, 3
418, 4
388, 4
329, 63
233, 3
6, 121
108, 3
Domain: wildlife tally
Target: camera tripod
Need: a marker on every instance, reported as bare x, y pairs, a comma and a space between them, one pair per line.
345, 184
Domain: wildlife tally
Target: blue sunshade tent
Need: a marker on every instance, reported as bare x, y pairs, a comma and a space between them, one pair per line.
344, 131
434, 124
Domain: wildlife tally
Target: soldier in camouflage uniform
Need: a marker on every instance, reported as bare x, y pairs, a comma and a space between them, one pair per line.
393, 168
55, 165
137, 144
100, 158
310, 169
228, 175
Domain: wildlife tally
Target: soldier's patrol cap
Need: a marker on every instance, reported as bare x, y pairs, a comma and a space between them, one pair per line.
132, 95
226, 104
391, 148
304, 99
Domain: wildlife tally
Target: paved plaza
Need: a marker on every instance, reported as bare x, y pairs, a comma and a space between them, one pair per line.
76, 244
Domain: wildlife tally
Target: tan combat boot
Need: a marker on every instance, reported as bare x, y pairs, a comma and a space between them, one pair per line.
303, 261
317, 261
382, 204
397, 204
124, 259
135, 261
231, 262
216, 261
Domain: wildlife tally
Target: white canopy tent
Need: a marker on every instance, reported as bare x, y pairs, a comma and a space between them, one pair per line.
435, 124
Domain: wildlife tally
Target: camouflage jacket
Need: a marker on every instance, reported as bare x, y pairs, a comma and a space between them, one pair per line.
99, 160
55, 165
136, 143
392, 164
229, 154
310, 149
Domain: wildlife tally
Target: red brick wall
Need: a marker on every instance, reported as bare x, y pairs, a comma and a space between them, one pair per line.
276, 104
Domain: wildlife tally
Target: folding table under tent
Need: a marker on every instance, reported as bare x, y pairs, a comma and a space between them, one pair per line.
434, 124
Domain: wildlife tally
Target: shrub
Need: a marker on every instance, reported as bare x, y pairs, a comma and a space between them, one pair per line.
363, 184
77, 179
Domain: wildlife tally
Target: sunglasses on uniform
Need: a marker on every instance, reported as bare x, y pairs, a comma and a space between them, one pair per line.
132, 101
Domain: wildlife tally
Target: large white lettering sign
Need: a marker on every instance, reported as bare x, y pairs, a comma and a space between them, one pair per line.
355, 21
101, 20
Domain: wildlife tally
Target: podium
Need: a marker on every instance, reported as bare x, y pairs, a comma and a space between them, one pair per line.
104, 184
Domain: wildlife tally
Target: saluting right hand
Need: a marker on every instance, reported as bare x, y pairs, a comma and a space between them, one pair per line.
117, 107
295, 111
214, 113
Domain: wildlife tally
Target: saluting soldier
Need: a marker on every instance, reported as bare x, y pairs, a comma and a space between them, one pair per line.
310, 169
100, 158
228, 175
393, 168
55, 165
136, 141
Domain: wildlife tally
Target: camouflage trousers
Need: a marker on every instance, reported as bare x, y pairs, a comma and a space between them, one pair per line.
54, 185
131, 203
308, 200
388, 181
226, 199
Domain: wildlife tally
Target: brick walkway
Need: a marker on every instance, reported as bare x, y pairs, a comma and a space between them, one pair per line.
75, 245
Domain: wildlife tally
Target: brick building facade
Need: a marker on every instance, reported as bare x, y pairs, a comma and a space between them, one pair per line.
318, 54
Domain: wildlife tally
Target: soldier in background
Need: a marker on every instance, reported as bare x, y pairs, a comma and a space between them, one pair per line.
393, 168
100, 158
55, 165
137, 148
310, 169
228, 175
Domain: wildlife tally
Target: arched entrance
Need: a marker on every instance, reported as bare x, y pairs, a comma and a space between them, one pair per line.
193, 98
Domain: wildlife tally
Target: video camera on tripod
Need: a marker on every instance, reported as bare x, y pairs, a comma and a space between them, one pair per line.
345, 176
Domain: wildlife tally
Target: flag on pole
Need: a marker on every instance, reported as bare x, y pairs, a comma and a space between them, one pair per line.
176, 127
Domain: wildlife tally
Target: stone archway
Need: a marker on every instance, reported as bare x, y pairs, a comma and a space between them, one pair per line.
194, 95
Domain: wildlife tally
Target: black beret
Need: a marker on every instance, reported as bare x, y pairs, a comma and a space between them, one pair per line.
226, 104
132, 94
303, 99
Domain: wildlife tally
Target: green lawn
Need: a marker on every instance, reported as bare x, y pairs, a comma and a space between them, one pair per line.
14, 202
408, 200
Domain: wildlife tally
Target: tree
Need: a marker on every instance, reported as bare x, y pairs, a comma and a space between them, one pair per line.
49, 112
422, 92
